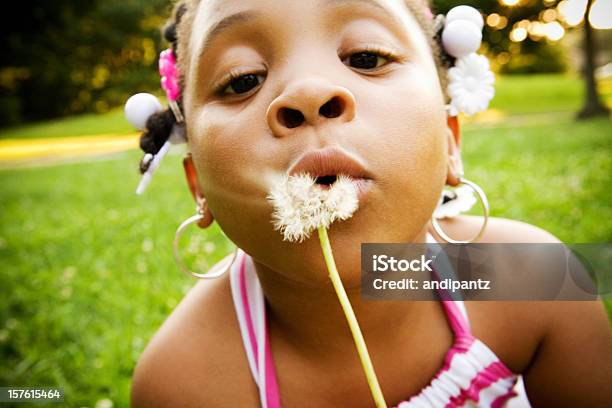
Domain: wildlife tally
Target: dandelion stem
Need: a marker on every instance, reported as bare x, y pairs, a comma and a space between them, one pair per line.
362, 350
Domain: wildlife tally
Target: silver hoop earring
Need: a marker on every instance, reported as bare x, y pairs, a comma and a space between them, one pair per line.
485, 205
212, 274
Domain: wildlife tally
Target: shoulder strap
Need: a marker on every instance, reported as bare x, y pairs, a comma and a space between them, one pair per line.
457, 317
242, 306
249, 303
455, 309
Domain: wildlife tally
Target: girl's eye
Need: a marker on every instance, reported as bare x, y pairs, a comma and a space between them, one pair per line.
368, 59
242, 84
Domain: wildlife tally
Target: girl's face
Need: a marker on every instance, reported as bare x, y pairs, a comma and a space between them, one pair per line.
270, 80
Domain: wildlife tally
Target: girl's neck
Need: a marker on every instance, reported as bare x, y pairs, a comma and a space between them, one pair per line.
307, 317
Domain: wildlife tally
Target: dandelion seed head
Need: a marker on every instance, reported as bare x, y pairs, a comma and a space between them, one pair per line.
342, 199
301, 206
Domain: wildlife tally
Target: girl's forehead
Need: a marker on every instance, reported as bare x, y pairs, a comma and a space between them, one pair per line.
215, 8
216, 17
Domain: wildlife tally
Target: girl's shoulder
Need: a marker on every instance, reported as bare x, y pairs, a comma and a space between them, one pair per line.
491, 321
195, 358
536, 338
500, 230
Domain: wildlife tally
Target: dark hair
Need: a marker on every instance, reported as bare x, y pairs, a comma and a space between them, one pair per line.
159, 125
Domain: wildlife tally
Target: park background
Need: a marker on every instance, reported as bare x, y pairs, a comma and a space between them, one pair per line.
86, 269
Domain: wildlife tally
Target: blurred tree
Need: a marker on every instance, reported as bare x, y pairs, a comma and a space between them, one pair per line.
592, 104
66, 56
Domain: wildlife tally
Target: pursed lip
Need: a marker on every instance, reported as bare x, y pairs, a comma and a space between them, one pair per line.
330, 161
325, 165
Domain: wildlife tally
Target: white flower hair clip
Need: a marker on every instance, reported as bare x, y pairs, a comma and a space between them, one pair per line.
470, 78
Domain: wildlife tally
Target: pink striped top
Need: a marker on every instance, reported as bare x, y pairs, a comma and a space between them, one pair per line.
472, 375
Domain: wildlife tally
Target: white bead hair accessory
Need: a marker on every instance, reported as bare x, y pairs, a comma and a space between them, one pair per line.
470, 79
140, 107
465, 13
461, 38
470, 85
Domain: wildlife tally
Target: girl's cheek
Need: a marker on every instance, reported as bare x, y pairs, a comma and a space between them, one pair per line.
216, 151
411, 127
231, 152
410, 148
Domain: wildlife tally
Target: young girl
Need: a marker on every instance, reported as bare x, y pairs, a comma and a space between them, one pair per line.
267, 85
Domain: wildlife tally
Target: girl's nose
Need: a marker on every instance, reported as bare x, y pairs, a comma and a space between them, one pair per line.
311, 102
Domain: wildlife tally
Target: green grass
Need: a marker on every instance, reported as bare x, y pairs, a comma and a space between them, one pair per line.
87, 273
520, 94
86, 265
556, 176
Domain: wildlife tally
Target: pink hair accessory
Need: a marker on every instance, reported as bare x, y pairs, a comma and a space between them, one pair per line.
170, 82
169, 74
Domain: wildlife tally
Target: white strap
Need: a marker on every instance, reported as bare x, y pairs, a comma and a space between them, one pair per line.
463, 311
429, 239
237, 296
255, 298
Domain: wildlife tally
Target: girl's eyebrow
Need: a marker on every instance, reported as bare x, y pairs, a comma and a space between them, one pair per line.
342, 3
245, 16
225, 23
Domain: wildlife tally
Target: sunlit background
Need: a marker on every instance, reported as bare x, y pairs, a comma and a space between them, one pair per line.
91, 55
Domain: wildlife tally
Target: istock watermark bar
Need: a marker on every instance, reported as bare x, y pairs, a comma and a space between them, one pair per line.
486, 271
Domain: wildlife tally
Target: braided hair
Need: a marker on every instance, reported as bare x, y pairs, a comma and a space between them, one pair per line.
159, 126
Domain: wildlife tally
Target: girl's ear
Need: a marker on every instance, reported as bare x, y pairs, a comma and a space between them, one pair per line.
455, 165
192, 182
